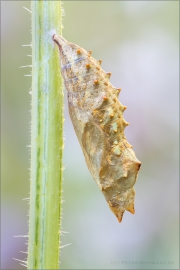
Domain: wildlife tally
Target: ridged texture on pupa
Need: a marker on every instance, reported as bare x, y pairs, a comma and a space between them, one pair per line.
97, 117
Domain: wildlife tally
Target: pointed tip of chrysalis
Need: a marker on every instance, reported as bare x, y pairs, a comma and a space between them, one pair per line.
120, 216
130, 208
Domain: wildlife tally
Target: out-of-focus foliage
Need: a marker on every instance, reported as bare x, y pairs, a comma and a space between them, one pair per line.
139, 43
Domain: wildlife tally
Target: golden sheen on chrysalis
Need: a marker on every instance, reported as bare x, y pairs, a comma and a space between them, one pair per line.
97, 117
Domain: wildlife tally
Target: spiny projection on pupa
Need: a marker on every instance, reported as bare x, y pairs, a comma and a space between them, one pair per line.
97, 117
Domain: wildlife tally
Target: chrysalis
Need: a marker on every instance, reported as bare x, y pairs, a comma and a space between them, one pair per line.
97, 117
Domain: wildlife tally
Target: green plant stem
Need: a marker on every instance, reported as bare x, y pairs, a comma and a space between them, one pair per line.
46, 138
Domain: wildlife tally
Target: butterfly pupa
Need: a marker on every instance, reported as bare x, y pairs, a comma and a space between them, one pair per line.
97, 117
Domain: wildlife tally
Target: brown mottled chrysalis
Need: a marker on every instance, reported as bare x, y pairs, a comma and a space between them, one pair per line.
97, 117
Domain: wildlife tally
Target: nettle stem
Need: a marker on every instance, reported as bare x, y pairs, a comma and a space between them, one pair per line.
46, 138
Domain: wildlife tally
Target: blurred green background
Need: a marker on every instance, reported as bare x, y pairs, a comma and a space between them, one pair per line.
139, 43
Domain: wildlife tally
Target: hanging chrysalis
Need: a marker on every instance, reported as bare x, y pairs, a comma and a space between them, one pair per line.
97, 117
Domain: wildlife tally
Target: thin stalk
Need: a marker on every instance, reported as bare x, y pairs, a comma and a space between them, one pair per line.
46, 138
